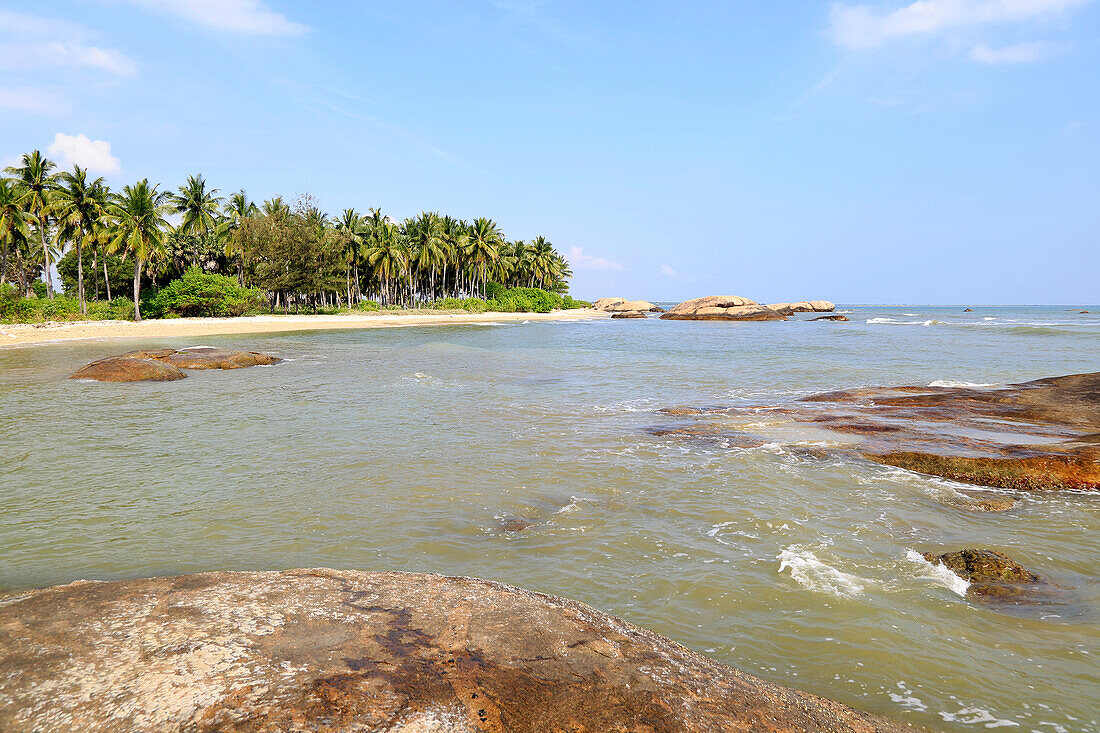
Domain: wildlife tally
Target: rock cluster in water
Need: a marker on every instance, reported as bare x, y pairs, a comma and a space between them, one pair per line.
622, 305
736, 308
991, 574
165, 365
351, 651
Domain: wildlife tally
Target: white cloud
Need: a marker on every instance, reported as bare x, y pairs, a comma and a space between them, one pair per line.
26, 99
30, 42
246, 17
581, 261
863, 26
668, 271
95, 155
1019, 53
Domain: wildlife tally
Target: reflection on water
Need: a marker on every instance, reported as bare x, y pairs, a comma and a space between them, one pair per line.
522, 454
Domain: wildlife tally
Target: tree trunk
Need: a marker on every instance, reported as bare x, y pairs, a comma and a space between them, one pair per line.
45, 258
95, 269
106, 277
80, 276
137, 288
4, 263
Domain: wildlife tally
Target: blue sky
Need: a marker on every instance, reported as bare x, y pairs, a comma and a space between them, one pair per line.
944, 151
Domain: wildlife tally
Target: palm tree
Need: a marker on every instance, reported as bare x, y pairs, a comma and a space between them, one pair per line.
33, 175
426, 241
276, 207
139, 215
351, 224
200, 208
77, 205
14, 219
236, 210
384, 252
483, 246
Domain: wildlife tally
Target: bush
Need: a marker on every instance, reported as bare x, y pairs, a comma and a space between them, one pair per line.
203, 294
17, 309
569, 302
368, 305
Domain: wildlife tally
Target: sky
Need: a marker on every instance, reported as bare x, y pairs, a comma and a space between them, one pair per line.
940, 151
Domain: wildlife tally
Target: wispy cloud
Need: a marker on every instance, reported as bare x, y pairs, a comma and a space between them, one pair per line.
27, 99
667, 271
531, 14
95, 155
242, 17
1018, 53
581, 261
32, 42
865, 26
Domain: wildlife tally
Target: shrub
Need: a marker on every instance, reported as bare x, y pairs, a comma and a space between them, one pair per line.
199, 293
367, 305
568, 301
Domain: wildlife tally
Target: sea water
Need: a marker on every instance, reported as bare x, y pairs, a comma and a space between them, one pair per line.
409, 449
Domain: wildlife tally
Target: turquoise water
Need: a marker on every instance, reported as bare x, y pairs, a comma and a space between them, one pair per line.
407, 449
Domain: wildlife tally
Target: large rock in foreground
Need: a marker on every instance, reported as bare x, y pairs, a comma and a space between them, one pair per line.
129, 369
309, 650
722, 308
206, 357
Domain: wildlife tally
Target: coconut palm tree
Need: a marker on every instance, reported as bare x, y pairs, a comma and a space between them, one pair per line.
383, 250
139, 213
77, 204
484, 239
200, 208
426, 243
14, 219
33, 175
351, 225
236, 210
276, 207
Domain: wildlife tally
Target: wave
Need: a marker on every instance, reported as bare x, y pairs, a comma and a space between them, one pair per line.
955, 383
574, 504
895, 322
938, 572
815, 575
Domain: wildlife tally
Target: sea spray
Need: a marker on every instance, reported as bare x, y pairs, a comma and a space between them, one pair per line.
813, 574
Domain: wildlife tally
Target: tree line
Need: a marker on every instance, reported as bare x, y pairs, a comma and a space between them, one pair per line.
294, 252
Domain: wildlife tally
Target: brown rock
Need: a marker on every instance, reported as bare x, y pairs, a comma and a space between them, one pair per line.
721, 308
822, 306
628, 314
791, 308
968, 310
343, 650
989, 573
981, 503
633, 305
834, 317
604, 304
203, 357
129, 369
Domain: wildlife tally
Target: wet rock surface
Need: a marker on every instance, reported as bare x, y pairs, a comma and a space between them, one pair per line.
834, 317
628, 314
992, 575
1037, 435
165, 364
129, 369
332, 650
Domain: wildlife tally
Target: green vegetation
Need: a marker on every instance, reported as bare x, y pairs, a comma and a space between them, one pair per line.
229, 256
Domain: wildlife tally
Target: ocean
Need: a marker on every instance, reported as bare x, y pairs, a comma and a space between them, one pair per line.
524, 453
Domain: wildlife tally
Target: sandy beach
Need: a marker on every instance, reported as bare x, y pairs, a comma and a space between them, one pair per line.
43, 333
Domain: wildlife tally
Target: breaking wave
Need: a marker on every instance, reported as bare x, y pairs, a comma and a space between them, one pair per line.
813, 574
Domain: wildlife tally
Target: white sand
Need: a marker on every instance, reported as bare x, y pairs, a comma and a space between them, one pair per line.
41, 333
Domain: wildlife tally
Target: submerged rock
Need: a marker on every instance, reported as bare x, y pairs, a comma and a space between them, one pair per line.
991, 574
981, 502
129, 369
722, 308
165, 364
968, 310
350, 651
834, 317
628, 314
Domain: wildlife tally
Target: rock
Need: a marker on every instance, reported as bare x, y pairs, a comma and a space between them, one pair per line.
628, 314
822, 306
968, 310
722, 308
989, 573
351, 651
1082, 312
204, 357
834, 317
513, 524
791, 308
633, 305
981, 502
129, 369
604, 304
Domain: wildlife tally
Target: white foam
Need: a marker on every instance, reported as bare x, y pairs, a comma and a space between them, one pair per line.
896, 322
574, 504
958, 383
938, 572
973, 716
812, 574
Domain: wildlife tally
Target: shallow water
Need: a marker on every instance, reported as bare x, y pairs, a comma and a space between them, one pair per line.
406, 448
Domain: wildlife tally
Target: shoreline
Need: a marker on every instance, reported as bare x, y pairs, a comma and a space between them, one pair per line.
38, 334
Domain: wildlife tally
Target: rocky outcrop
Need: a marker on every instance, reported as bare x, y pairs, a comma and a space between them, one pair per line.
605, 304
722, 308
805, 306
348, 651
834, 317
1039, 435
621, 305
204, 357
164, 364
129, 369
628, 314
989, 573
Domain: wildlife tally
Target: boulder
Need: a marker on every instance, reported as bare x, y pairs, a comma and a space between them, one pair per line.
990, 574
604, 304
722, 308
834, 317
822, 306
205, 357
633, 305
129, 369
352, 651
791, 308
628, 314
968, 310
